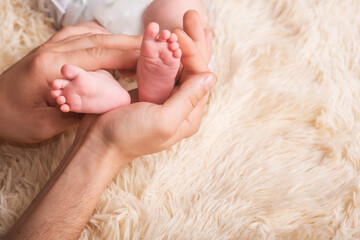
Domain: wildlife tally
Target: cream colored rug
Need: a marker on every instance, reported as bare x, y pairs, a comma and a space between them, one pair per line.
277, 156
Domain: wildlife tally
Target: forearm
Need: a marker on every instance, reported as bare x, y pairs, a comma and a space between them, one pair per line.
65, 204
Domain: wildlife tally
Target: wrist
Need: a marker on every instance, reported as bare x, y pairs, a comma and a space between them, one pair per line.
96, 155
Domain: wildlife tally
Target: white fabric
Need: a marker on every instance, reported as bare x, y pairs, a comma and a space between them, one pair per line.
118, 16
73, 12
57, 9
122, 16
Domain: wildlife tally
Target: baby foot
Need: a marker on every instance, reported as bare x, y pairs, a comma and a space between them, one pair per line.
88, 92
158, 64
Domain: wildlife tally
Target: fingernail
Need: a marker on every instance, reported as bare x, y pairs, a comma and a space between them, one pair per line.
209, 82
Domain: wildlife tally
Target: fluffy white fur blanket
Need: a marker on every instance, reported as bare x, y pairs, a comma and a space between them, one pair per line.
277, 156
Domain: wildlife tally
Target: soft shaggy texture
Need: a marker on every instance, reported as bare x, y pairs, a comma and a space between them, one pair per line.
277, 156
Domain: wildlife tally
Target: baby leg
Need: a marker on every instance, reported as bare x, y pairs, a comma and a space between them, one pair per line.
169, 13
88, 92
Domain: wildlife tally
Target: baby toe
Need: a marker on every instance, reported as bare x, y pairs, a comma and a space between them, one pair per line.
173, 38
59, 84
55, 93
164, 35
70, 71
174, 46
61, 100
65, 108
151, 31
177, 53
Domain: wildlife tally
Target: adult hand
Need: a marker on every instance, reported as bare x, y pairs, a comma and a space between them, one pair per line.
143, 128
28, 113
107, 142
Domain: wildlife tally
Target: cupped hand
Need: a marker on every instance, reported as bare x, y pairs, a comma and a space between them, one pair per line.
144, 128
27, 111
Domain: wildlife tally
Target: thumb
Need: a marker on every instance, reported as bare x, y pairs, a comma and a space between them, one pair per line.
188, 96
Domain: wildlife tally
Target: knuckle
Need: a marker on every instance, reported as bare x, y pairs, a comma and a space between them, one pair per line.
40, 59
97, 39
45, 47
94, 52
94, 38
87, 34
194, 100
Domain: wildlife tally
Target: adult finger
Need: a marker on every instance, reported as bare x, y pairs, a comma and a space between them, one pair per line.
92, 24
186, 99
100, 58
88, 59
191, 59
75, 30
109, 41
195, 30
53, 46
74, 37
